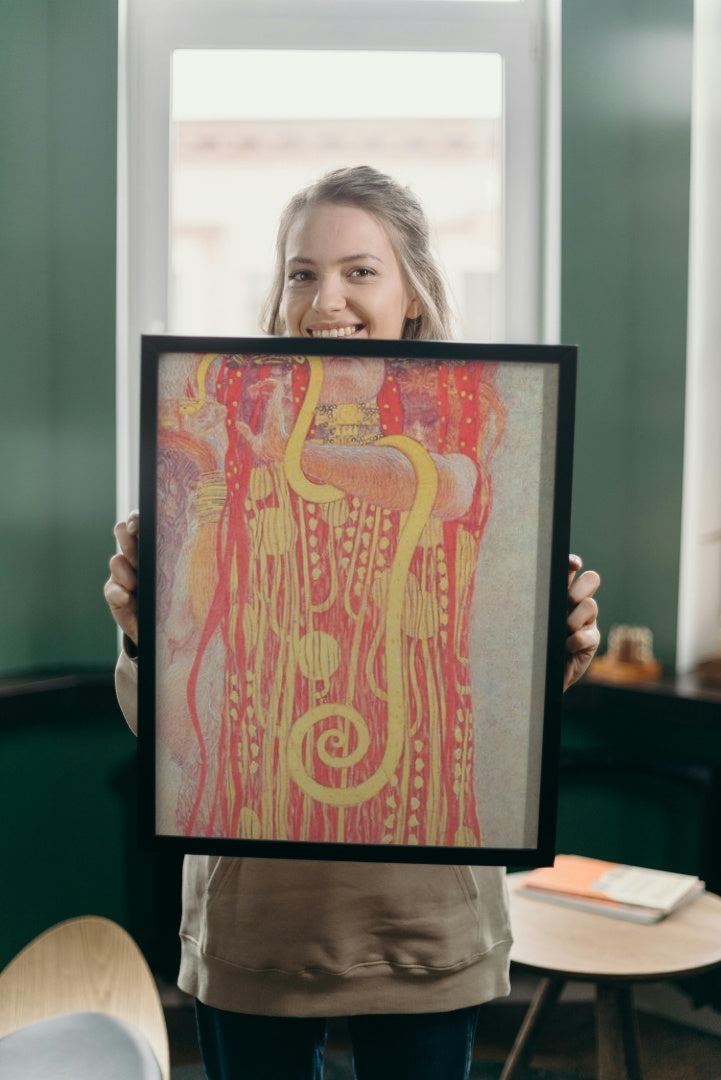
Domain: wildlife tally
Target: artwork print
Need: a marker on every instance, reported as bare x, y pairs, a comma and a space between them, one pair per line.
318, 549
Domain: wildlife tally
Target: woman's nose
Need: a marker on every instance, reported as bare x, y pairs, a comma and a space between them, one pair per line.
329, 296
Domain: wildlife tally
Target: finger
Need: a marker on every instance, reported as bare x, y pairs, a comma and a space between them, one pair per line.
126, 534
575, 562
585, 585
123, 608
584, 613
123, 573
583, 642
131, 525
118, 597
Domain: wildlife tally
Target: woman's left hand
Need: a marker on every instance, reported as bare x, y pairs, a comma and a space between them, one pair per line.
582, 633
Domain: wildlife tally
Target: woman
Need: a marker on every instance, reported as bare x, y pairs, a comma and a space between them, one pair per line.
271, 948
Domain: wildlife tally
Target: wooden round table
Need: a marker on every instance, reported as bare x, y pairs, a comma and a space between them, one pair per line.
562, 944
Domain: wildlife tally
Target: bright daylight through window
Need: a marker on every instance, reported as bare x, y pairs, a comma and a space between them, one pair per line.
238, 154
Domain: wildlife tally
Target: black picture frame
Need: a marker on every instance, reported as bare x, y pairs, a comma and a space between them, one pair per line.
214, 412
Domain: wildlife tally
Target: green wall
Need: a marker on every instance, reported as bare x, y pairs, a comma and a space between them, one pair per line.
69, 808
57, 330
626, 146
66, 758
641, 779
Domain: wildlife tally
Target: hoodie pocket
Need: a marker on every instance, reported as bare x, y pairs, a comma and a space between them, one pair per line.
469, 886
293, 916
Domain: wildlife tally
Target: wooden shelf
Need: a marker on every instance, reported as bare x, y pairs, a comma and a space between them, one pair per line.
682, 697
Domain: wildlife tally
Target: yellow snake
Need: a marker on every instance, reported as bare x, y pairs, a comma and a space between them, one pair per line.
423, 502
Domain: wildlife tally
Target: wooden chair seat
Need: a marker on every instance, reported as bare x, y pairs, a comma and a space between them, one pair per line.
84, 965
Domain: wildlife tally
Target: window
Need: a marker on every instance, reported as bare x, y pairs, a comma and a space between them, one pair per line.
227, 107
238, 155
699, 624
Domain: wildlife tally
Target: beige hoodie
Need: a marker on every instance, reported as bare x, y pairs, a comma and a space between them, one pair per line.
284, 937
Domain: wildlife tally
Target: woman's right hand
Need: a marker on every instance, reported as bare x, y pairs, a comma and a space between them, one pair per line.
121, 587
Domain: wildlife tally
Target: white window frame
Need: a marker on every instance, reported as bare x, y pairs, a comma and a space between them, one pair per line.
526, 34
699, 597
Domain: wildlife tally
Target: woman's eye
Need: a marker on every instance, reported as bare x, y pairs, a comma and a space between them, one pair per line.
300, 276
362, 272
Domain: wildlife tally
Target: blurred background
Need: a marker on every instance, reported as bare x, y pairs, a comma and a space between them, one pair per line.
68, 787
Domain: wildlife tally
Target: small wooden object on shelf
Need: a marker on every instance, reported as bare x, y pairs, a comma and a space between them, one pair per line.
629, 657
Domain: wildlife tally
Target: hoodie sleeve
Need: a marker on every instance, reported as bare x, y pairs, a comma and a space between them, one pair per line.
126, 688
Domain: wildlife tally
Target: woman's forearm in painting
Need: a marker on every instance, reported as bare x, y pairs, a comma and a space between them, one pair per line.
385, 476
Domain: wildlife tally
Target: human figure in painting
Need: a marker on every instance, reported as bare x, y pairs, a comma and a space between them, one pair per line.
331, 461
340, 607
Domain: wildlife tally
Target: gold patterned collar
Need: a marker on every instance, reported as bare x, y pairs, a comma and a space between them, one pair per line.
348, 424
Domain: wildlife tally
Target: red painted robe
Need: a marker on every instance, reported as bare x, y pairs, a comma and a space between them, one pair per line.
345, 709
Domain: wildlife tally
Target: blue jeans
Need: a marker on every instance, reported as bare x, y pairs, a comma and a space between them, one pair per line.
414, 1046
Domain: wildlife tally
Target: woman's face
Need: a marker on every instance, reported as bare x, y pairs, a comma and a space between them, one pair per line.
342, 277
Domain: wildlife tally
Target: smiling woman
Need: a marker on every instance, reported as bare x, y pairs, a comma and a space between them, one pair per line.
300, 619
348, 539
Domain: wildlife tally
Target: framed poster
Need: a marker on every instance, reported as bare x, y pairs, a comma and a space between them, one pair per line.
352, 597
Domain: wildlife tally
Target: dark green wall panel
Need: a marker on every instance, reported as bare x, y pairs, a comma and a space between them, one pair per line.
641, 777
67, 847
69, 801
25, 399
626, 146
58, 80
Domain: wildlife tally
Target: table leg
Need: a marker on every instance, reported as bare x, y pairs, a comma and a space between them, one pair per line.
545, 997
617, 1033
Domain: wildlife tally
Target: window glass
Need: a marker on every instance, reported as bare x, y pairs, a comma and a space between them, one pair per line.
251, 127
472, 1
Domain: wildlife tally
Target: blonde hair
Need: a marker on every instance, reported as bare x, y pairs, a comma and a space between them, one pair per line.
403, 217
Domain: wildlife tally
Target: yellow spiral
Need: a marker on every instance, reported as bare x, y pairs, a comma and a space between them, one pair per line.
423, 501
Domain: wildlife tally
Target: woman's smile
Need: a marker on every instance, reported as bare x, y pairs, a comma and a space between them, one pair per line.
335, 331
